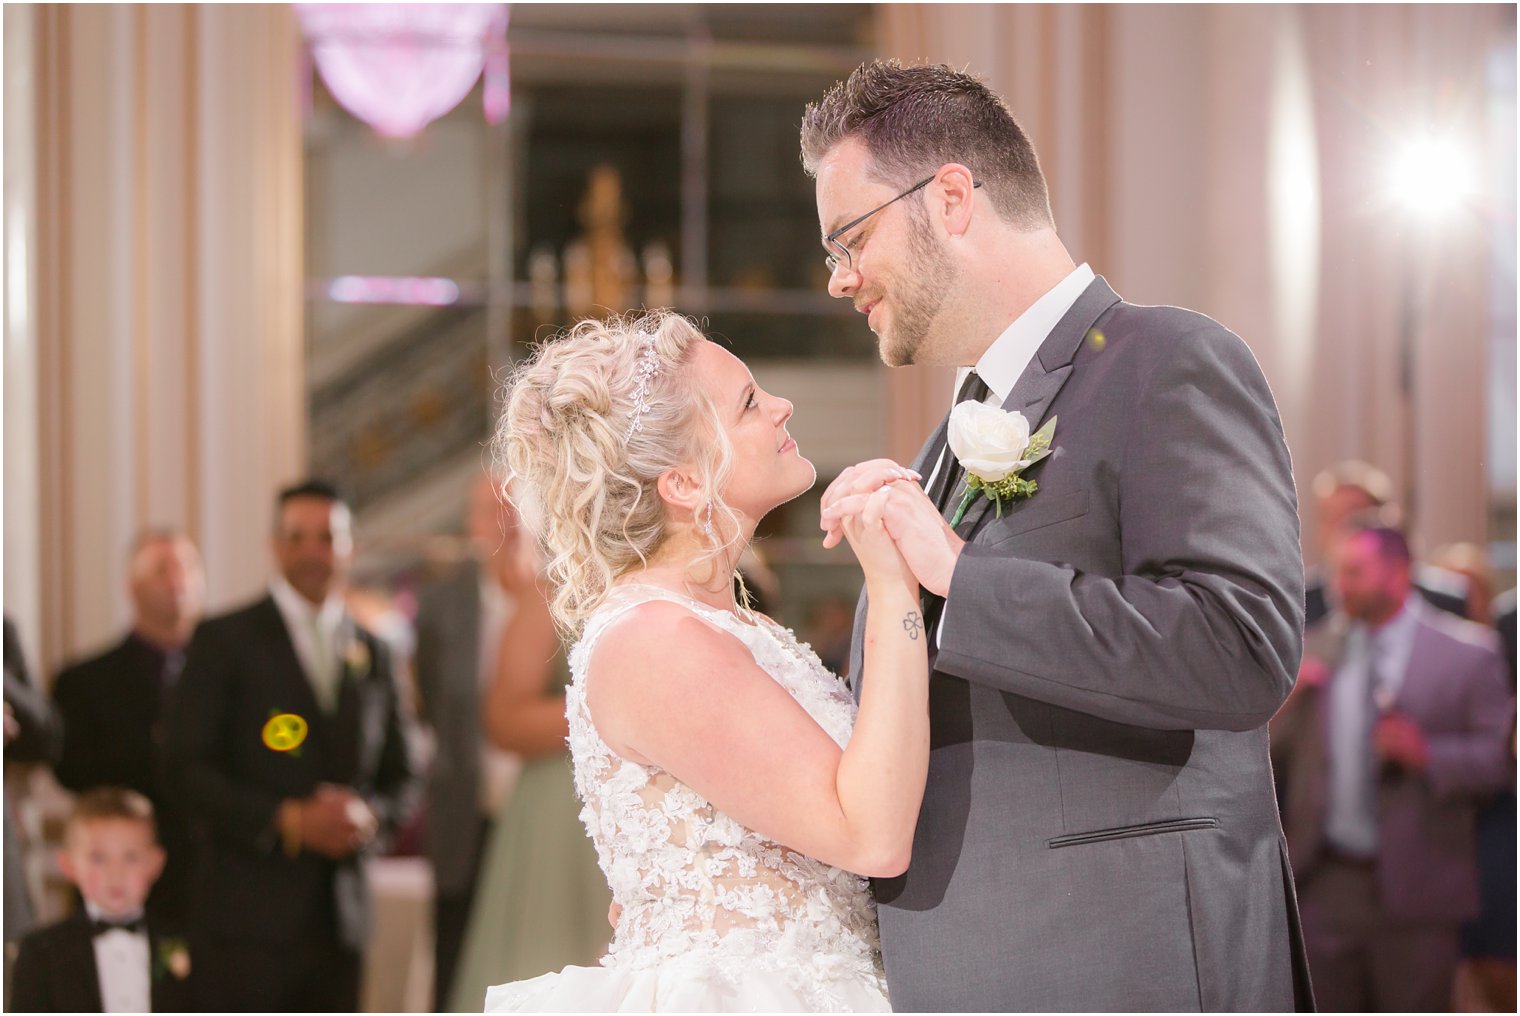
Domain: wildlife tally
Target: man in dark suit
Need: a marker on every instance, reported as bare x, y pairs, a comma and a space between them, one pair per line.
1098, 830
1388, 755
110, 955
459, 626
285, 746
113, 704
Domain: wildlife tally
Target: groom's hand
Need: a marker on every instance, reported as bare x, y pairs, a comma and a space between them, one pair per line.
926, 542
859, 480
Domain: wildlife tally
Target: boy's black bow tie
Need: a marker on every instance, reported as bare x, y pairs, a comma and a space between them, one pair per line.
101, 926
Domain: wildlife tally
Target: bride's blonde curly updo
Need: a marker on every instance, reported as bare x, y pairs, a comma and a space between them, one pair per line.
582, 474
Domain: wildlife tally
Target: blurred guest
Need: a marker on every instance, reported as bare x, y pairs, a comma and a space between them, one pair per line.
541, 902
1468, 563
1352, 495
285, 747
829, 631
111, 955
33, 733
459, 627
1390, 753
113, 705
1486, 979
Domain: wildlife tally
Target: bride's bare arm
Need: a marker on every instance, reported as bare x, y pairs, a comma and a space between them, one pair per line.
667, 689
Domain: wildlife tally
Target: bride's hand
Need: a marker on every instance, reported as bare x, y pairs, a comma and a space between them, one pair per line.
874, 548
926, 542
857, 481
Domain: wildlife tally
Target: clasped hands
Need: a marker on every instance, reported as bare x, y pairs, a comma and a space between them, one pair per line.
891, 492
334, 822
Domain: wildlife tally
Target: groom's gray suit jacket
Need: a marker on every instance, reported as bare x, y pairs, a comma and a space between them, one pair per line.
1099, 830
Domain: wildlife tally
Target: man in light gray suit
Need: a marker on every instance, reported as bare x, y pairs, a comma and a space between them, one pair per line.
459, 626
1099, 830
1389, 748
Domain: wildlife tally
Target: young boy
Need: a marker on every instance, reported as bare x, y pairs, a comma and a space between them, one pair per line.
107, 957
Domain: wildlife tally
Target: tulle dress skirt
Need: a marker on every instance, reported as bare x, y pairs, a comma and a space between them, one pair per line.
690, 984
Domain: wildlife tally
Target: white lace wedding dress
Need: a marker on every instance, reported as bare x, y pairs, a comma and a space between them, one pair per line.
715, 917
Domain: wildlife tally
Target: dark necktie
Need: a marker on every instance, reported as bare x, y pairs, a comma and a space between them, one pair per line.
101, 926
947, 477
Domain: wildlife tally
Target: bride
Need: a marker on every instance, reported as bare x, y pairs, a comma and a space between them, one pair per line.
736, 798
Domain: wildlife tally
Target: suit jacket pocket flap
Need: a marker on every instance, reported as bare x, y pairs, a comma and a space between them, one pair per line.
1037, 514
1171, 825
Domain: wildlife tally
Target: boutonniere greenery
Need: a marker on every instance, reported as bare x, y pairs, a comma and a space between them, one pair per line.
173, 958
356, 657
994, 446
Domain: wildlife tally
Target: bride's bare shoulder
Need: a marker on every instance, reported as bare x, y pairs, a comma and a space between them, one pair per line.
652, 672
661, 639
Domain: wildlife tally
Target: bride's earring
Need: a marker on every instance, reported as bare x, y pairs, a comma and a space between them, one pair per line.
707, 524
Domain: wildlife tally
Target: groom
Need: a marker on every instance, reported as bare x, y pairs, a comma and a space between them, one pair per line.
1099, 830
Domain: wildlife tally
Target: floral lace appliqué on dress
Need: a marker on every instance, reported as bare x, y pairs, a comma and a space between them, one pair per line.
714, 915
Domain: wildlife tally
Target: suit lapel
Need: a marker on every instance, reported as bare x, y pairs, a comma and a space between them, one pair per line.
166, 984
1048, 371
80, 967
1413, 697
344, 724
292, 691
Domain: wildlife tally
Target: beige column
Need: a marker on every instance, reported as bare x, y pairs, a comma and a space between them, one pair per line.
23, 563
164, 345
1382, 75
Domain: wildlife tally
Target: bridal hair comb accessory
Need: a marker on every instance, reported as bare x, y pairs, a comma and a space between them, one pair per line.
649, 366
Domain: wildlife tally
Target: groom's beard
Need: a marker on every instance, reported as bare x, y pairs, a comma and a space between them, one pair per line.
919, 294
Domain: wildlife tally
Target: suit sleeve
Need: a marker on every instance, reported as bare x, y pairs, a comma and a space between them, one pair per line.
79, 764
198, 768
396, 785
29, 982
1204, 626
1475, 761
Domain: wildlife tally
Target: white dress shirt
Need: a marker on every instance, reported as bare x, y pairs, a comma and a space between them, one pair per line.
122, 966
1006, 359
304, 621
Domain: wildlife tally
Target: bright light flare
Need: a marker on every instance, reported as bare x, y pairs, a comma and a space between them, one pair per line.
1431, 176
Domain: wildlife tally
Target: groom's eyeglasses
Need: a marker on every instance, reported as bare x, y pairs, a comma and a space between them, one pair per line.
841, 255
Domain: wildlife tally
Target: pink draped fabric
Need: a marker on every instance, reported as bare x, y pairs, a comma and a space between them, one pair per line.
398, 67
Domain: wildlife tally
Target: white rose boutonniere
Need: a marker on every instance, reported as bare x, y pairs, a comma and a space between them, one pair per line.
173, 958
994, 446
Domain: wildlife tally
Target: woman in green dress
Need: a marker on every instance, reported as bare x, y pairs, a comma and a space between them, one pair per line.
541, 902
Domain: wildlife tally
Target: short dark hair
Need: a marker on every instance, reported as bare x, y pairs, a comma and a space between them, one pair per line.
913, 120
310, 487
104, 803
1392, 545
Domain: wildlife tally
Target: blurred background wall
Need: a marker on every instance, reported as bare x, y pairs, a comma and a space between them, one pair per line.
218, 278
